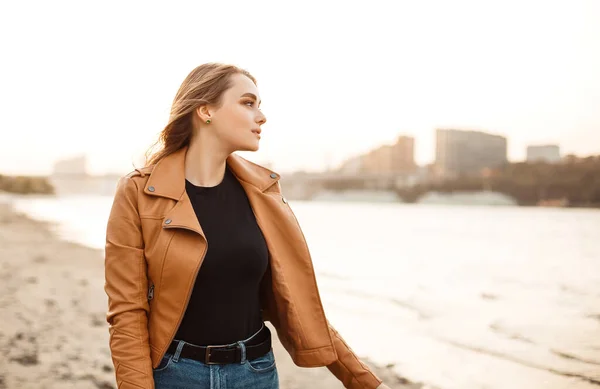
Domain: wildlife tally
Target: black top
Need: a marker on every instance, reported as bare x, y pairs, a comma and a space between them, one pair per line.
225, 305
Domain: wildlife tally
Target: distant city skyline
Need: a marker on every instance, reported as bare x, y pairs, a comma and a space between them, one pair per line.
468, 148
526, 70
523, 157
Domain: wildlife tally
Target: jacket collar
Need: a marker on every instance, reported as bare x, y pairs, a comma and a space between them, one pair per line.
167, 178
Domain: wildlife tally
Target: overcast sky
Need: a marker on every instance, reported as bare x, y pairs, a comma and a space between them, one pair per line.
336, 78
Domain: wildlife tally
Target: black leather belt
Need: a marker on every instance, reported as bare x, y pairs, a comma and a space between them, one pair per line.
226, 354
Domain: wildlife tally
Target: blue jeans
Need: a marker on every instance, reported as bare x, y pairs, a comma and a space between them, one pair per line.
174, 372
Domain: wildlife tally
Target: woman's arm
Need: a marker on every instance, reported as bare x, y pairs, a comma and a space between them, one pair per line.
349, 369
126, 286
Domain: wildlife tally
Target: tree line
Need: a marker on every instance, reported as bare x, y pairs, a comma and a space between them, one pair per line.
25, 185
576, 181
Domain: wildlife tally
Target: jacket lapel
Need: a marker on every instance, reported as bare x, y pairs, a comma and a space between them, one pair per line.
183, 216
167, 179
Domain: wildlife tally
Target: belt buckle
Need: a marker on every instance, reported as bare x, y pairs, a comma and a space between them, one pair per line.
207, 356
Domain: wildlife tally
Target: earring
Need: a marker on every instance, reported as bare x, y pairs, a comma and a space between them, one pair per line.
208, 121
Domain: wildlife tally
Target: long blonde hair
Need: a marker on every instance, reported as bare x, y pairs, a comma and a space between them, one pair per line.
204, 85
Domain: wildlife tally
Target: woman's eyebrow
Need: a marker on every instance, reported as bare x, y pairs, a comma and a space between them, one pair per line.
248, 94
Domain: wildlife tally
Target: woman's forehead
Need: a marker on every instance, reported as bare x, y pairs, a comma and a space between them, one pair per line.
244, 88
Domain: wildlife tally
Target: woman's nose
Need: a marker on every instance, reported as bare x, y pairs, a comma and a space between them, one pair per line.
261, 119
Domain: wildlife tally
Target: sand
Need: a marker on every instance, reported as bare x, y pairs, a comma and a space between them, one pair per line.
53, 332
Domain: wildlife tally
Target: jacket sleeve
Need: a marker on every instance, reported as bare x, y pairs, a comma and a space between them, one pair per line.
126, 286
348, 368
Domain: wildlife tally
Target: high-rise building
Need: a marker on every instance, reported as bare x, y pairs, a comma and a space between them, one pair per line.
543, 153
461, 152
397, 158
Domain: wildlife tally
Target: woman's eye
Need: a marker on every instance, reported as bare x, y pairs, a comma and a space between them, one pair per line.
250, 102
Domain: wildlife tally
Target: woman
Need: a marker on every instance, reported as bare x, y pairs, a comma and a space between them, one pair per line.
202, 249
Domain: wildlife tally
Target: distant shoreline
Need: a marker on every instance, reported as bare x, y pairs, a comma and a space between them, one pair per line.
575, 183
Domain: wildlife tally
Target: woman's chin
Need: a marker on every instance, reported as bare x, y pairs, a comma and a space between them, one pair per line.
254, 146
249, 147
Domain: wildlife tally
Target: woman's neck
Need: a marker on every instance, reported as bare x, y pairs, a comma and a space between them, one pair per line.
205, 163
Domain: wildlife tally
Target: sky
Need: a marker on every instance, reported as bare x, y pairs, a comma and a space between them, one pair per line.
336, 78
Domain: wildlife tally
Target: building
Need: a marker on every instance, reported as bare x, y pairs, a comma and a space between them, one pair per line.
543, 153
403, 159
397, 158
352, 165
75, 165
461, 152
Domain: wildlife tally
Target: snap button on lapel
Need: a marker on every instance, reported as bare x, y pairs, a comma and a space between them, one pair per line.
151, 189
168, 221
273, 175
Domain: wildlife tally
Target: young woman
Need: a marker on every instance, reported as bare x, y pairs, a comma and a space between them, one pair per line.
202, 249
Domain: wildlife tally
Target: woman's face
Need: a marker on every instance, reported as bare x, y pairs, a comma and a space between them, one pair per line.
236, 123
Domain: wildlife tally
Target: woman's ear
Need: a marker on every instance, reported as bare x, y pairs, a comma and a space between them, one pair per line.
204, 113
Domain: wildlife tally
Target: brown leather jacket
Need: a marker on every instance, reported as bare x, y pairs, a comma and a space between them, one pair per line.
155, 247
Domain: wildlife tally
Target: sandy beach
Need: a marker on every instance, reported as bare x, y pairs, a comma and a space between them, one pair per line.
52, 308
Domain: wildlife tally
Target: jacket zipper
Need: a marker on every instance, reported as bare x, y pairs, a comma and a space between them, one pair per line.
151, 292
189, 295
